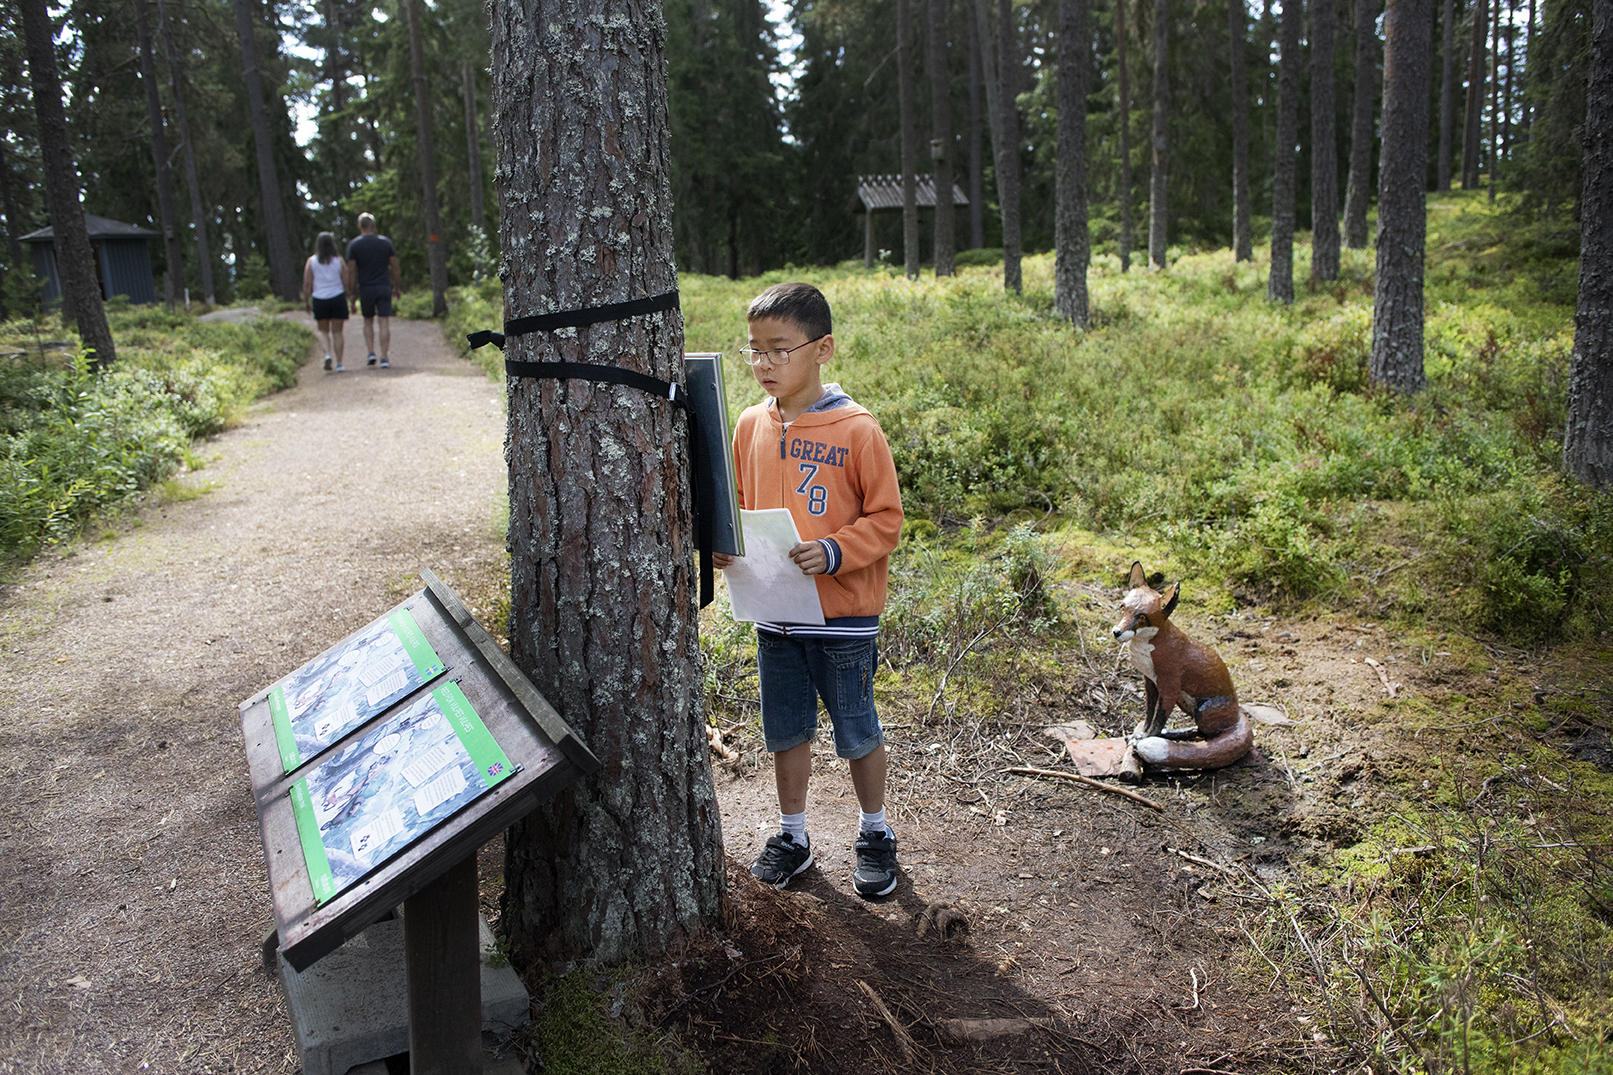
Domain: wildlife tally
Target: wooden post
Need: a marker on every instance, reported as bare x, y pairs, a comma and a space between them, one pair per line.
445, 975
868, 238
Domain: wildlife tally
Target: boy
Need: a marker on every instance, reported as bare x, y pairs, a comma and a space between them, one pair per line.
810, 449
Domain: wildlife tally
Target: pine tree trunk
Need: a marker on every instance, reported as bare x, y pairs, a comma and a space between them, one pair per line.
436, 260
277, 242
603, 583
1158, 207
977, 207
1242, 234
1071, 241
1397, 312
8, 202
1447, 92
75, 260
1324, 146
1008, 72
909, 135
1126, 233
473, 151
198, 215
941, 135
174, 275
1358, 192
1588, 442
337, 130
1495, 103
1472, 120
1285, 160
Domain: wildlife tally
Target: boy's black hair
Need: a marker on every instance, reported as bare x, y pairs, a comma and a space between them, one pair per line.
802, 305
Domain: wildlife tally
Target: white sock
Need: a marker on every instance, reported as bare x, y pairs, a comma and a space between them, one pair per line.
874, 822
795, 825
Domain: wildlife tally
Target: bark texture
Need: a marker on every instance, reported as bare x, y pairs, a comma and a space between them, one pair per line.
436, 260
1324, 146
941, 137
1447, 92
1072, 243
283, 275
603, 584
1397, 311
198, 214
174, 274
977, 210
75, 261
1158, 203
1588, 444
1358, 191
1126, 231
1242, 235
909, 135
1473, 118
1285, 161
1000, 109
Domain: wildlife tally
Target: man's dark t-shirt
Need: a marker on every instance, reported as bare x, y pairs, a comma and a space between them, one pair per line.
371, 256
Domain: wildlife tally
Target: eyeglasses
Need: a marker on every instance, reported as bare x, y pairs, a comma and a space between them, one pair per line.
777, 357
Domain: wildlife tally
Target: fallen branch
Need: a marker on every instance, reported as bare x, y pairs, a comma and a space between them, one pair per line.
903, 1039
1205, 862
1089, 782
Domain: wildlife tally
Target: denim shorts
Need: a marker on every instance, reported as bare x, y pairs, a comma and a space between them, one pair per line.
797, 670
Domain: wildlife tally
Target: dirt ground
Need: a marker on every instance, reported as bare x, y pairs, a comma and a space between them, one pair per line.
1039, 925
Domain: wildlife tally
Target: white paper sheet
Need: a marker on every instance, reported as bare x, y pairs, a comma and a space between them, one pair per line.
765, 584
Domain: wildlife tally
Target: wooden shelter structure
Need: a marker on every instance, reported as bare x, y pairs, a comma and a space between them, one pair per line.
883, 194
122, 259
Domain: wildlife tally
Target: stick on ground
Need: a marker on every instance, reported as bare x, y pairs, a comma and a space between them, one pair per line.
1089, 782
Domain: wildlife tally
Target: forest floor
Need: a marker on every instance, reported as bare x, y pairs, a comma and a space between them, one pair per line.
1039, 925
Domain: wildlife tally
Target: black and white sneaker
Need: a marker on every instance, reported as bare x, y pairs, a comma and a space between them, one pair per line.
781, 860
875, 874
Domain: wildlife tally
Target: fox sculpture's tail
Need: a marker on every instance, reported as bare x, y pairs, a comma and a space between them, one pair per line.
1179, 673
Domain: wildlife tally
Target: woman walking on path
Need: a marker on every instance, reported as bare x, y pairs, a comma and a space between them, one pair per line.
327, 278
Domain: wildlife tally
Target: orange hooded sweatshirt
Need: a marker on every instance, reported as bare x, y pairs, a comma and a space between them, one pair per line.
833, 469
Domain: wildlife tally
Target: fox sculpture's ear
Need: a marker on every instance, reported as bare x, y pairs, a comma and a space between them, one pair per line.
1138, 577
1172, 592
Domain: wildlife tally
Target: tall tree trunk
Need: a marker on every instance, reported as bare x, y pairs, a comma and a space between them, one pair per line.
1242, 235
1008, 74
1509, 101
1495, 102
977, 207
1324, 146
1472, 125
1004, 136
338, 87
473, 150
75, 260
941, 137
1447, 92
435, 258
1158, 208
1526, 117
1397, 311
909, 135
602, 575
1588, 442
1285, 160
1358, 191
198, 215
1071, 241
8, 203
1125, 138
277, 241
174, 276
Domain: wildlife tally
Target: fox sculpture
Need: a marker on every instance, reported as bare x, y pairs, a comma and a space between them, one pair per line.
1179, 673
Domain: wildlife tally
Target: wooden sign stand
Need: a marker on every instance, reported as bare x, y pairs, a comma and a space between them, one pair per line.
435, 876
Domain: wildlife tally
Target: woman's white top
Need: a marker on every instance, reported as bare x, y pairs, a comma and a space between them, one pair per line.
327, 278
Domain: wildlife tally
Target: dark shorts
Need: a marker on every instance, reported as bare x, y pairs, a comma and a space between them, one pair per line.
333, 309
375, 303
796, 671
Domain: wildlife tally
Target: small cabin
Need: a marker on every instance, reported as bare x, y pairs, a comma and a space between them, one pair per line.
122, 259
883, 194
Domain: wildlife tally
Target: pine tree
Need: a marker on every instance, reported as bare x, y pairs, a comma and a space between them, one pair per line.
1324, 147
1073, 244
1242, 235
1358, 191
1158, 196
1285, 162
1588, 442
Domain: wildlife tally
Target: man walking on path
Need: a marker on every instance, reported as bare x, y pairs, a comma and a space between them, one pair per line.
375, 267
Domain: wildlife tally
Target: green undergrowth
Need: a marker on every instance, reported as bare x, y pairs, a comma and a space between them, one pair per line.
78, 444
588, 1023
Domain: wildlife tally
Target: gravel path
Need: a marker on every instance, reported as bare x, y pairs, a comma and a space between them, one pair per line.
132, 887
